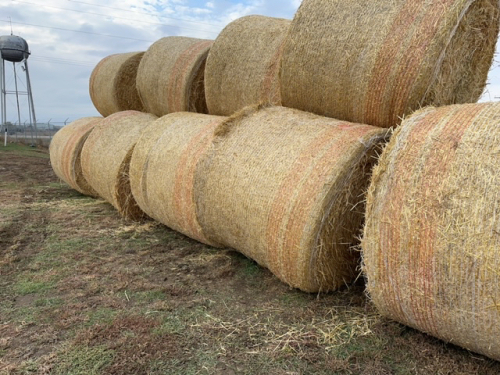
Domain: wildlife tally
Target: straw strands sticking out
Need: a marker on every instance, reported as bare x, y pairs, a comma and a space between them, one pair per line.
163, 166
112, 83
432, 237
243, 64
171, 75
106, 158
285, 188
373, 62
65, 153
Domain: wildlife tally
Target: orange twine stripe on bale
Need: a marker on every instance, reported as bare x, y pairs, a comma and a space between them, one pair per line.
285, 188
390, 58
181, 72
430, 245
163, 167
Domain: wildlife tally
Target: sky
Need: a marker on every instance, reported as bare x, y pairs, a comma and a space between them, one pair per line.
67, 38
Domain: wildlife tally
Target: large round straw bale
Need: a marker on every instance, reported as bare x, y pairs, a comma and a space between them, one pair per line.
112, 83
432, 235
285, 188
170, 76
65, 153
243, 64
163, 167
106, 159
376, 61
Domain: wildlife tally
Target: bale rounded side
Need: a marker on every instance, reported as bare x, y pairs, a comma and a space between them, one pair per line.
243, 64
163, 169
284, 187
431, 240
106, 159
374, 62
65, 153
170, 77
112, 83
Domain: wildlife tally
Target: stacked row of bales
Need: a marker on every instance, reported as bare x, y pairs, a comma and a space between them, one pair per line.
286, 187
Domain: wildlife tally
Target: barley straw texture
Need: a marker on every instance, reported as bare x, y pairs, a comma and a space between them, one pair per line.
431, 241
375, 61
163, 166
65, 153
112, 83
284, 188
106, 159
171, 75
243, 64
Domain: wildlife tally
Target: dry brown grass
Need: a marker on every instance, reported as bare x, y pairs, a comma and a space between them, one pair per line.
65, 153
378, 61
431, 241
243, 64
106, 158
284, 187
112, 83
171, 75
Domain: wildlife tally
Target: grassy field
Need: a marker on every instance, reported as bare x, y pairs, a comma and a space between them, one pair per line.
84, 292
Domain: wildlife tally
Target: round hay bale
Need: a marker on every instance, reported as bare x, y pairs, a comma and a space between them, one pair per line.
163, 167
171, 75
243, 64
374, 62
112, 84
65, 153
431, 241
285, 188
106, 159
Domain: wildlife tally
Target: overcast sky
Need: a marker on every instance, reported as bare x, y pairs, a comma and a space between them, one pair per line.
67, 38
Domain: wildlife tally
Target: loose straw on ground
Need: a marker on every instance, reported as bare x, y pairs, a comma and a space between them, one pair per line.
376, 61
112, 83
171, 75
432, 237
163, 166
243, 64
106, 159
285, 188
65, 153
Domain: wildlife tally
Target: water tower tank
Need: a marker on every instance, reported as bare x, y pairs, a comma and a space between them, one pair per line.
13, 48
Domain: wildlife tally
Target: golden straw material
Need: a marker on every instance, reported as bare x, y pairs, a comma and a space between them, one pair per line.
243, 64
106, 159
432, 236
375, 61
285, 188
65, 153
171, 75
112, 83
163, 166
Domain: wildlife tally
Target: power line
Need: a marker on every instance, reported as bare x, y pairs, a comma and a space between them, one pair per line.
62, 61
147, 13
109, 16
80, 31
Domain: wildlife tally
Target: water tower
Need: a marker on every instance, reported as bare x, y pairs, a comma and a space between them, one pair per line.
15, 49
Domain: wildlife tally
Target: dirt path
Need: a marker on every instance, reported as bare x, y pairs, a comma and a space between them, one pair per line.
84, 292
